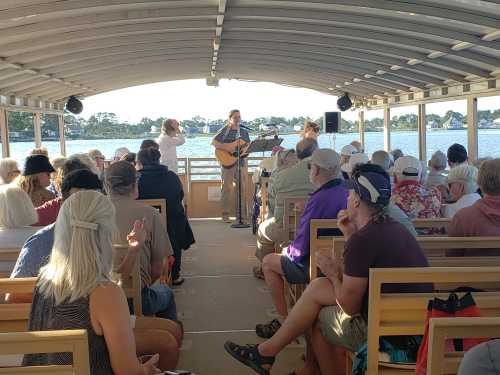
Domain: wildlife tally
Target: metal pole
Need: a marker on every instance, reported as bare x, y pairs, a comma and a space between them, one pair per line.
62, 139
387, 129
472, 135
361, 127
37, 129
422, 133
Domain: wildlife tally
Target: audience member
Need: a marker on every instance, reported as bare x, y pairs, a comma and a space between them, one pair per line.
36, 178
121, 185
410, 195
358, 145
311, 130
457, 154
462, 183
147, 143
74, 290
436, 176
284, 159
382, 159
36, 250
98, 159
156, 181
119, 152
355, 160
396, 154
336, 306
9, 170
483, 217
293, 182
292, 265
57, 164
345, 155
129, 157
171, 136
39, 151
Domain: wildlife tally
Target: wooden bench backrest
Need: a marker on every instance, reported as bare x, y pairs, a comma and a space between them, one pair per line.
14, 316
450, 328
9, 254
405, 314
431, 223
264, 197
132, 284
291, 218
159, 204
71, 341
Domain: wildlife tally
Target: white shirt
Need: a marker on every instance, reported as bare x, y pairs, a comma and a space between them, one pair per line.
449, 210
168, 149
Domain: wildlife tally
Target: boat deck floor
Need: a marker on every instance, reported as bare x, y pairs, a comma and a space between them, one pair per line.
221, 300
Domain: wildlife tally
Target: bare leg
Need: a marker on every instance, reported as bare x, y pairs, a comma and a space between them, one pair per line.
152, 341
273, 274
149, 322
331, 358
319, 293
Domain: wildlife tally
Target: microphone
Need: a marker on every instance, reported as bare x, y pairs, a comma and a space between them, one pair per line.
246, 127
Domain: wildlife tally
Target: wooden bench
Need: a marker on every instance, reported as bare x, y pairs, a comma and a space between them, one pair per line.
70, 341
8, 258
14, 316
132, 284
160, 205
450, 328
405, 314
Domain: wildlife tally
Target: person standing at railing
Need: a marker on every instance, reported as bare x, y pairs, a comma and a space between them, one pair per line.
171, 136
227, 140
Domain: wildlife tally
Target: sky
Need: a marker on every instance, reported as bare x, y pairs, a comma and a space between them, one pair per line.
186, 99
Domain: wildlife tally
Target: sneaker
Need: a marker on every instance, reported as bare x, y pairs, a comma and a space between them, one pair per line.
257, 272
178, 281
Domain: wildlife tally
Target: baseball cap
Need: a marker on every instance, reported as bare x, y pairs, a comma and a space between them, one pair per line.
408, 166
371, 183
355, 159
325, 158
348, 150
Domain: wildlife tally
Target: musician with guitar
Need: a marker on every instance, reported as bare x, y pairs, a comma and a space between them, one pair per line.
226, 142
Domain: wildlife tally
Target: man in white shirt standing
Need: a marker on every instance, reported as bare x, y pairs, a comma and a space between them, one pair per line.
169, 139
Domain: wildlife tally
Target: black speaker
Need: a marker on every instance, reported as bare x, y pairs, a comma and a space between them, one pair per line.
74, 105
344, 103
331, 122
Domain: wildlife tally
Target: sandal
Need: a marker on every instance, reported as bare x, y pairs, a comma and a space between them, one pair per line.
266, 331
249, 356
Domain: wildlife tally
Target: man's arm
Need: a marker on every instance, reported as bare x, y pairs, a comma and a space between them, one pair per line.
350, 292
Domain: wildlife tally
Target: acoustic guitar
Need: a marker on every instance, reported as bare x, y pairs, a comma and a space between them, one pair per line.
228, 159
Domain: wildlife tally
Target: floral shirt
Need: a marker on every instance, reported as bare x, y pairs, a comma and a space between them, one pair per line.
416, 200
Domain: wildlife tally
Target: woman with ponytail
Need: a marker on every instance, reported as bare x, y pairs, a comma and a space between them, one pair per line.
75, 291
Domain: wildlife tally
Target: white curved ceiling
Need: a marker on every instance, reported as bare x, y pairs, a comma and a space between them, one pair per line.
50, 49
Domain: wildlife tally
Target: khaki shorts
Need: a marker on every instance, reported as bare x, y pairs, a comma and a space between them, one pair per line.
340, 329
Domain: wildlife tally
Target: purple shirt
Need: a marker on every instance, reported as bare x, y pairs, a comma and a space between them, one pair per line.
324, 203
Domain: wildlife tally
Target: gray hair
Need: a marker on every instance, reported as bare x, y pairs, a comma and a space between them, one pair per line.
16, 208
438, 161
489, 177
466, 175
7, 166
381, 158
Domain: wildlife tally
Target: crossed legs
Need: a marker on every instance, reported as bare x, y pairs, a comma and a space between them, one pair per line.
273, 274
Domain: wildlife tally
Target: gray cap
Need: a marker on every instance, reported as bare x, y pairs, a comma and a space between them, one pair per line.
325, 158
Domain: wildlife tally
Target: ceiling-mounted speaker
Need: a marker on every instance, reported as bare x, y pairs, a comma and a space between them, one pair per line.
344, 103
74, 105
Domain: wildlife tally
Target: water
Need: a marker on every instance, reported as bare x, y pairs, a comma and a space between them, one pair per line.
489, 141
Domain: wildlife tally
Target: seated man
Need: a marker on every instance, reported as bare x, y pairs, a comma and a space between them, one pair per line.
345, 155
437, 168
382, 159
293, 181
462, 183
293, 265
483, 217
336, 306
121, 185
457, 155
410, 195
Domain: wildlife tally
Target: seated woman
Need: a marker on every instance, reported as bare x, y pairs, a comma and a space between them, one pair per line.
157, 182
16, 215
311, 130
36, 178
121, 184
75, 291
9, 170
57, 164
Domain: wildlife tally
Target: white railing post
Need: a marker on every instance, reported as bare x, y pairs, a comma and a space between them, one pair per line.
361, 127
62, 139
387, 129
422, 133
37, 129
472, 135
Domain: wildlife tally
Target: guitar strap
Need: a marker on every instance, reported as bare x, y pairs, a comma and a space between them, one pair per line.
228, 129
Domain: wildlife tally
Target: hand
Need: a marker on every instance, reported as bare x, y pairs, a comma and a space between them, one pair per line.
170, 261
345, 224
137, 236
325, 264
150, 366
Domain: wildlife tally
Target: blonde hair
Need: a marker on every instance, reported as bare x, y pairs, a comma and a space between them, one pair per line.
40, 151
58, 162
7, 166
168, 126
81, 257
16, 208
489, 177
30, 183
310, 128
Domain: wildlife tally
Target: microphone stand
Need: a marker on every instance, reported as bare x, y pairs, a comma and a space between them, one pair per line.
239, 223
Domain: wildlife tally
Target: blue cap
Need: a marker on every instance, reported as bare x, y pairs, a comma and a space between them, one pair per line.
371, 186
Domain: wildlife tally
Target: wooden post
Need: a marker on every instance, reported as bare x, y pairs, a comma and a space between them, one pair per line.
37, 129
387, 129
361, 127
422, 135
4, 132
472, 142
62, 140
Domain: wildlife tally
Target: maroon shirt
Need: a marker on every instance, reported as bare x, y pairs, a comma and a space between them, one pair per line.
384, 245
